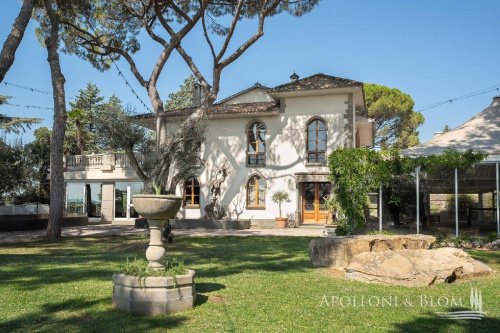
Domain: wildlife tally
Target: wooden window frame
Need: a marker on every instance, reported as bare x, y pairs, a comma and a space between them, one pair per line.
316, 152
257, 142
193, 195
256, 179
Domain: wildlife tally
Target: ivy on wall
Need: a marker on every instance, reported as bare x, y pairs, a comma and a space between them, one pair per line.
357, 171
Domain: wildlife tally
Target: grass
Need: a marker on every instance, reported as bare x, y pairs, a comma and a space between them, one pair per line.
139, 267
244, 284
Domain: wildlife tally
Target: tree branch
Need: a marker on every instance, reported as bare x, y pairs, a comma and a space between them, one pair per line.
180, 12
14, 38
194, 69
129, 151
207, 38
96, 41
264, 12
177, 37
231, 31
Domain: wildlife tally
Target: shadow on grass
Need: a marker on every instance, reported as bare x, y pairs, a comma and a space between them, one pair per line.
35, 265
222, 256
80, 315
432, 323
206, 287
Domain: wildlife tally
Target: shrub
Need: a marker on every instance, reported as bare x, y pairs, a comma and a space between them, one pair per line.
341, 230
492, 237
139, 267
381, 232
441, 237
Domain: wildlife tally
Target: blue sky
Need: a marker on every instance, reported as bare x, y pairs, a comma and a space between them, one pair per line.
433, 50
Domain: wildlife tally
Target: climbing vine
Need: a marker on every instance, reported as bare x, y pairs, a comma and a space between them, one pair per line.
357, 171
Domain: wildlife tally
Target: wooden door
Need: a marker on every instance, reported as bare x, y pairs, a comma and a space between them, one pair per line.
313, 198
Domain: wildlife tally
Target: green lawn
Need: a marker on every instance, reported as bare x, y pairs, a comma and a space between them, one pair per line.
244, 284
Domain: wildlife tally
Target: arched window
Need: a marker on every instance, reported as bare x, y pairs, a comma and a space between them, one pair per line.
256, 192
256, 144
191, 193
316, 141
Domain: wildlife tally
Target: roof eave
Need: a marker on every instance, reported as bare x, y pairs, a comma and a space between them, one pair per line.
227, 116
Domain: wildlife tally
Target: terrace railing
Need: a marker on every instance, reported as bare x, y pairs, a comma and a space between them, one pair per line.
103, 162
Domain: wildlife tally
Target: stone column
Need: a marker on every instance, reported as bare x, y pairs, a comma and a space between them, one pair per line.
156, 250
107, 202
349, 123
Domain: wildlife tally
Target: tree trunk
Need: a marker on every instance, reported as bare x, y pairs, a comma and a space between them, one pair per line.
58, 129
79, 139
161, 124
14, 39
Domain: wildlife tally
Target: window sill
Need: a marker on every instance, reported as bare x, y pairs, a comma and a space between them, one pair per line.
255, 165
312, 164
256, 207
191, 206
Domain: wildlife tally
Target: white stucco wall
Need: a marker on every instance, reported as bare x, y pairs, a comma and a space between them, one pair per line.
252, 96
285, 154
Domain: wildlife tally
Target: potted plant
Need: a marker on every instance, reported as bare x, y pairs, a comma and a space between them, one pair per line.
279, 197
153, 162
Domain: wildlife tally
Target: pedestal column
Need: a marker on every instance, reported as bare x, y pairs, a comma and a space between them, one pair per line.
156, 250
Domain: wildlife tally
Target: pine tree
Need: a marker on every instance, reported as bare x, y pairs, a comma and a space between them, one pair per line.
183, 98
80, 132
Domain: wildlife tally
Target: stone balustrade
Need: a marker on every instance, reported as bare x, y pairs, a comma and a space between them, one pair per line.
104, 162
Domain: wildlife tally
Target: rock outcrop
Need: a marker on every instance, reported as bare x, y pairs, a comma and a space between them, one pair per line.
414, 268
338, 252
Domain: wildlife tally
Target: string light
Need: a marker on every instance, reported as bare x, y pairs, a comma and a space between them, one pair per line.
131, 88
29, 106
34, 90
466, 96
125, 79
27, 88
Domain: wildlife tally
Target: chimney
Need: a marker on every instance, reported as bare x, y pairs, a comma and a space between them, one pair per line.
496, 101
196, 95
294, 77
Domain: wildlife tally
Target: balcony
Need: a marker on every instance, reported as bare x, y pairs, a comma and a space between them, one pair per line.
103, 162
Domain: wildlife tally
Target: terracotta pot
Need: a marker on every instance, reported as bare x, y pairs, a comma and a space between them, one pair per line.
281, 222
156, 207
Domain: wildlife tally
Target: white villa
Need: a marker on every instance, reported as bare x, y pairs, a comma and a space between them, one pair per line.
273, 138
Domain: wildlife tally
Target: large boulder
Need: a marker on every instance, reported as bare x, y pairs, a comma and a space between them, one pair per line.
414, 268
338, 252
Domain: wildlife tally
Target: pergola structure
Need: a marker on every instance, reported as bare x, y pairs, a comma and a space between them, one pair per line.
482, 133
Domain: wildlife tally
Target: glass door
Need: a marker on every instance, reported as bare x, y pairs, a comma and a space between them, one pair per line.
124, 209
75, 198
93, 199
314, 196
309, 202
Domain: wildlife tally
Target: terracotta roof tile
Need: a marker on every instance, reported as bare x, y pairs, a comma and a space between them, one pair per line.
315, 82
222, 109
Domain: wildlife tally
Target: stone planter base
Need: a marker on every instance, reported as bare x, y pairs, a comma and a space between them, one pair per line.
154, 295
